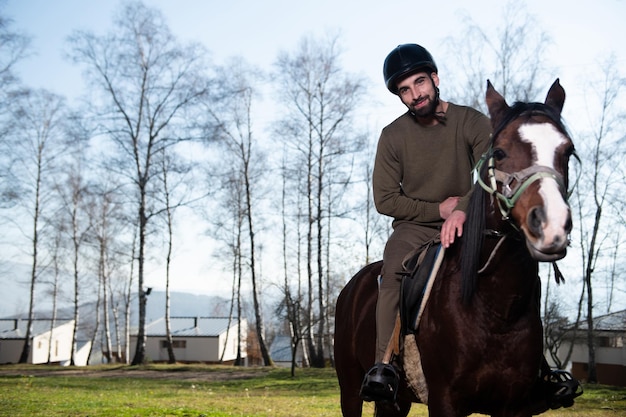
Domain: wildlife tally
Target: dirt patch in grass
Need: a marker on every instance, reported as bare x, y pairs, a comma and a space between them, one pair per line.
210, 374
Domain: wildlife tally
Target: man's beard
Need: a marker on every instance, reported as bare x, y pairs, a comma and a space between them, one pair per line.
430, 109
425, 111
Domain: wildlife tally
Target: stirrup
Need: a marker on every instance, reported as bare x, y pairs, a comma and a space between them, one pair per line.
562, 389
380, 384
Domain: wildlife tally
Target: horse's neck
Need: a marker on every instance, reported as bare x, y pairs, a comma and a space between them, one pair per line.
508, 283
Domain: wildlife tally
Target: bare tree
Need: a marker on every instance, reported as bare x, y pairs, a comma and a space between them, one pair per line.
108, 225
291, 306
169, 168
235, 231
228, 231
597, 189
94, 326
512, 55
14, 47
116, 301
73, 195
112, 239
71, 219
616, 269
232, 116
57, 255
555, 325
376, 228
148, 85
170, 243
36, 142
128, 294
319, 99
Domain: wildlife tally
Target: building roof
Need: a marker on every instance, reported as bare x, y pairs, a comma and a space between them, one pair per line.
16, 328
280, 351
612, 322
191, 326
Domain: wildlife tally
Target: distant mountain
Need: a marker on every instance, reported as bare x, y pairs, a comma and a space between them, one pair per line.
14, 300
181, 305
185, 304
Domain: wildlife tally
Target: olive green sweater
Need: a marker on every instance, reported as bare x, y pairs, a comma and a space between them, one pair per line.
417, 167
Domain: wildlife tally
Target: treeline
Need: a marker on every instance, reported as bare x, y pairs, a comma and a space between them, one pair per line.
95, 191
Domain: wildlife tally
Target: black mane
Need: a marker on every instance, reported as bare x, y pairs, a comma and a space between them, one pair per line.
472, 241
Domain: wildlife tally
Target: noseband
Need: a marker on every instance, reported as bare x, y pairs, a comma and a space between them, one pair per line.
513, 184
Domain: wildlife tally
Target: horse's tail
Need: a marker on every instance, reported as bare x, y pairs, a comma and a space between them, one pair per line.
473, 237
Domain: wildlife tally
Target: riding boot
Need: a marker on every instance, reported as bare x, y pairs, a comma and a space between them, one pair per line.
561, 389
381, 381
380, 384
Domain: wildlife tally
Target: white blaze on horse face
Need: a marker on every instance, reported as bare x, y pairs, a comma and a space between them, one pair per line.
545, 139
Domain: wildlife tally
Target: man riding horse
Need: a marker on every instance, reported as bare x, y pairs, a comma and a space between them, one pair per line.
423, 180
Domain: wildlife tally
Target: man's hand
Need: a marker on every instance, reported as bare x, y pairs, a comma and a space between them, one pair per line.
452, 228
447, 206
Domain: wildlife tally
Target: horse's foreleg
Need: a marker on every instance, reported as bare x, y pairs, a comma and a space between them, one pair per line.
442, 405
351, 405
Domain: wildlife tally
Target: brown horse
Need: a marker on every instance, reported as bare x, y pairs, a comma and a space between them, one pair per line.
480, 335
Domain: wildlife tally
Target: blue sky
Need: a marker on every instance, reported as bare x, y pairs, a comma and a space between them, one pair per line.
582, 33
258, 30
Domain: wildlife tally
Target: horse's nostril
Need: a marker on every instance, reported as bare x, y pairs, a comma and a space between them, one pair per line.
536, 217
568, 224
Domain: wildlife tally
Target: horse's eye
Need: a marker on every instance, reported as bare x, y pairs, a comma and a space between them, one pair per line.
499, 154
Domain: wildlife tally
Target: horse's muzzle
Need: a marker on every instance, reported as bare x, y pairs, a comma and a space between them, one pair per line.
546, 256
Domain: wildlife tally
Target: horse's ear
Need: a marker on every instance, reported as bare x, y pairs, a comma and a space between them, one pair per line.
556, 96
496, 104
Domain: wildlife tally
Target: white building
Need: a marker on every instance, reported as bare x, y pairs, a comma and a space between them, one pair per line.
195, 339
610, 349
281, 352
48, 345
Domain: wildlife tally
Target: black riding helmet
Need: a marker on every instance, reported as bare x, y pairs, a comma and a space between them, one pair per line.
404, 60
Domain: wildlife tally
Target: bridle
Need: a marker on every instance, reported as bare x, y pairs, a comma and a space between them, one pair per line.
513, 184
506, 199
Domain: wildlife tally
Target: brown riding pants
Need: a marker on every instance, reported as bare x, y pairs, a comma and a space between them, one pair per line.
405, 238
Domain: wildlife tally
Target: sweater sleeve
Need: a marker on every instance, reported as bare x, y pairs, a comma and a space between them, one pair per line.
389, 198
478, 134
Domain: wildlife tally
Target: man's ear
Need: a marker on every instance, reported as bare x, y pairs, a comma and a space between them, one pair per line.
435, 78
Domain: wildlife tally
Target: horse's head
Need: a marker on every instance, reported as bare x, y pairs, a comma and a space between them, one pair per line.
526, 170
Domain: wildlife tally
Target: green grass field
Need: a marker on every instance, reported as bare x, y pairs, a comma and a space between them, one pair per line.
200, 390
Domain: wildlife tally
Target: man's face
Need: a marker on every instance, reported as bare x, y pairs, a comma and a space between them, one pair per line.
418, 92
